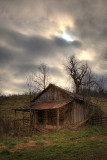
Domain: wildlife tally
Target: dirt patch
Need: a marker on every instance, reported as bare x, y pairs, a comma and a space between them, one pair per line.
22, 146
85, 139
98, 138
46, 142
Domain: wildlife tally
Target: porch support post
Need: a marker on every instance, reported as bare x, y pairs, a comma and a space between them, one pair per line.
57, 118
31, 119
45, 117
15, 114
23, 118
36, 119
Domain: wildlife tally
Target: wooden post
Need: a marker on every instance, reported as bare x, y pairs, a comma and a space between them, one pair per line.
32, 119
23, 118
15, 114
57, 118
35, 118
15, 118
45, 117
64, 118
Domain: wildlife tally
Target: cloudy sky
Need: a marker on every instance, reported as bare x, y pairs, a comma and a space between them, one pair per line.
49, 31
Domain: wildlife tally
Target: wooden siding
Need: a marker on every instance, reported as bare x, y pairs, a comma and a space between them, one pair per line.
74, 113
52, 94
77, 112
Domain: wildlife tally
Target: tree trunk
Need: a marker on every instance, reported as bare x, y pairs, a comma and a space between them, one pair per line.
77, 88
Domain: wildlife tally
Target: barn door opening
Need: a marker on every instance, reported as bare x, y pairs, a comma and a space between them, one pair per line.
41, 118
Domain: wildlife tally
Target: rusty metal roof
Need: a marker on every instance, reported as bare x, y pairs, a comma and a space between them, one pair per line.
43, 105
49, 105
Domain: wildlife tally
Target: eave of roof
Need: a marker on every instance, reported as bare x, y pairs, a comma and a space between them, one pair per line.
43, 105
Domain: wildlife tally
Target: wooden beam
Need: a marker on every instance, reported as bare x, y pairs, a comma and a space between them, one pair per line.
57, 118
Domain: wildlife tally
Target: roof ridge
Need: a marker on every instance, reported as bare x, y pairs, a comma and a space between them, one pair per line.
67, 92
61, 88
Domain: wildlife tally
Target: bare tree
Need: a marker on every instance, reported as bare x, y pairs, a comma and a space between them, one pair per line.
77, 71
37, 81
102, 85
30, 77
41, 79
89, 81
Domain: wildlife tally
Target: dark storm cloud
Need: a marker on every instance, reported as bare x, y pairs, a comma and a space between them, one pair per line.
63, 43
31, 46
5, 56
35, 43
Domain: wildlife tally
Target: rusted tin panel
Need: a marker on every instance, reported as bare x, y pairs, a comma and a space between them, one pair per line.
49, 105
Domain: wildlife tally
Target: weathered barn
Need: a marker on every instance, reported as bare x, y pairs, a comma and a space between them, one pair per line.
57, 108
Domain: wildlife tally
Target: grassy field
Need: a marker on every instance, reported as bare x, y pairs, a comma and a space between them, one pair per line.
8, 103
86, 143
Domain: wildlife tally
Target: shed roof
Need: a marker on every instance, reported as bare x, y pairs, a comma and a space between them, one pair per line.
43, 105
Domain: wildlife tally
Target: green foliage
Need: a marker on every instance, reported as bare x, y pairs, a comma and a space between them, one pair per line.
10, 142
5, 152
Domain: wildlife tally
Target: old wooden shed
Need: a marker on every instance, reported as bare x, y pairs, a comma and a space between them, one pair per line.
57, 108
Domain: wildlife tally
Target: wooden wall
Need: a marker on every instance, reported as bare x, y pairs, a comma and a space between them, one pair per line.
77, 112
53, 94
73, 113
